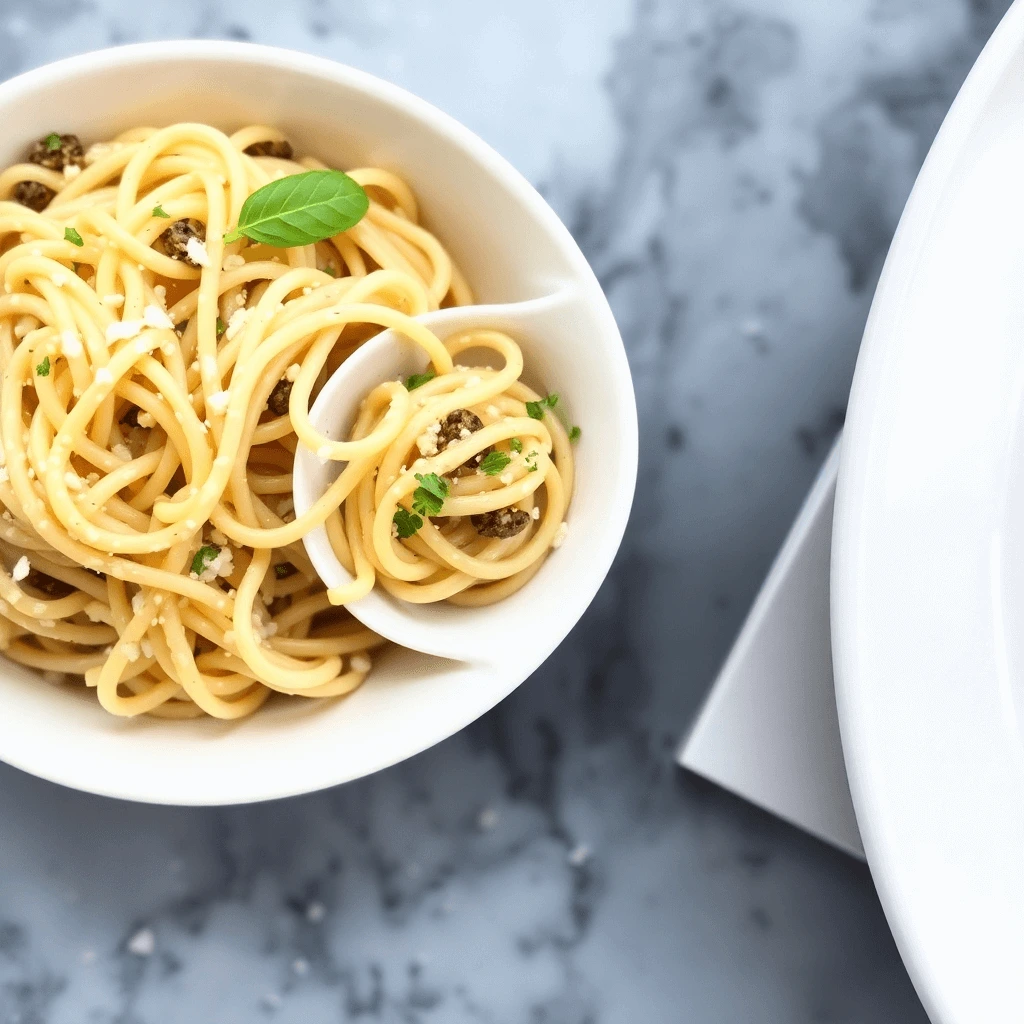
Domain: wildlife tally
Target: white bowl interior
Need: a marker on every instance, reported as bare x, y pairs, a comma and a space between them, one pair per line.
511, 247
928, 560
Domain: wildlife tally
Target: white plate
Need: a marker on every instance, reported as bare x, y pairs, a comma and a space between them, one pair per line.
512, 247
928, 560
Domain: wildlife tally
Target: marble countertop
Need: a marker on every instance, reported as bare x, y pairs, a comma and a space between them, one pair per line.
734, 170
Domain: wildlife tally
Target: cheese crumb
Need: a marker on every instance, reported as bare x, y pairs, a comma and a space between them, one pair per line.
138, 602
360, 663
427, 441
122, 452
196, 252
130, 650
218, 401
233, 262
72, 481
559, 539
121, 329
535, 513
236, 323
154, 316
71, 344
292, 372
147, 647
21, 568
223, 564
145, 419
71, 171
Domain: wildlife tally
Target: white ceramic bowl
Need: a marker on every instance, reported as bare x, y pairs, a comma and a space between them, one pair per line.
928, 560
512, 247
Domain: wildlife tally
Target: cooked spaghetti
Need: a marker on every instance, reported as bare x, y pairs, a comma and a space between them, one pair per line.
156, 381
468, 493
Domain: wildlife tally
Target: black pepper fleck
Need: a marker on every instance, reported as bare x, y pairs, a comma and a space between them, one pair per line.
502, 522
176, 238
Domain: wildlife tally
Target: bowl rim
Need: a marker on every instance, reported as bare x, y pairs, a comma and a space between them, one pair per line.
875, 787
134, 56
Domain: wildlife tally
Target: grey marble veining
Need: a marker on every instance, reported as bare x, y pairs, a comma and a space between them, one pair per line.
734, 170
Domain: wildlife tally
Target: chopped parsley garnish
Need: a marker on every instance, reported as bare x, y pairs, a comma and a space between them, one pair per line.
417, 380
531, 466
428, 498
516, 445
43, 368
494, 463
535, 410
53, 142
330, 270
406, 522
221, 327
574, 435
72, 236
159, 211
203, 557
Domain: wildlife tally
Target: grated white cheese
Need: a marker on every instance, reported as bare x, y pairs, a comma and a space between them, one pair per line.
71, 171
506, 478
71, 344
21, 568
145, 419
196, 252
237, 322
218, 538
72, 481
218, 401
122, 452
292, 372
147, 647
535, 513
138, 602
221, 565
130, 650
233, 262
121, 329
154, 316
95, 611
427, 441
562, 533
360, 663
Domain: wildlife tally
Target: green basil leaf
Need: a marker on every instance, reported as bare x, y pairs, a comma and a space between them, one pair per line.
417, 380
301, 209
53, 142
72, 236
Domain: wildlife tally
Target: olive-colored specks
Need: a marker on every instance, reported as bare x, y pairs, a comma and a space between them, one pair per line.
457, 426
281, 148
502, 522
176, 238
33, 194
278, 401
47, 153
